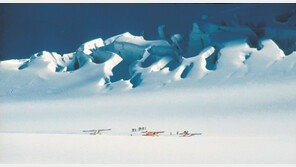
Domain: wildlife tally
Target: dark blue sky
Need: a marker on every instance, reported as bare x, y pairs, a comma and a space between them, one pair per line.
29, 28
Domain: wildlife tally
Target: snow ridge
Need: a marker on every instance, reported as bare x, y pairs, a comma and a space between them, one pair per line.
126, 61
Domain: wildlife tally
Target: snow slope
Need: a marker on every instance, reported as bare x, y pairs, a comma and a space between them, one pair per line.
232, 49
130, 62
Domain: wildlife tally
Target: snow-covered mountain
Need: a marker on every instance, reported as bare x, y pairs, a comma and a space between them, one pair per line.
231, 78
235, 51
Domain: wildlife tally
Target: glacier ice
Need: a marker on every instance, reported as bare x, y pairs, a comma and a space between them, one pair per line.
211, 54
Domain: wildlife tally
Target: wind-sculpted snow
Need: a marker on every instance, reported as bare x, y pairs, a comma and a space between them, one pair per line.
212, 54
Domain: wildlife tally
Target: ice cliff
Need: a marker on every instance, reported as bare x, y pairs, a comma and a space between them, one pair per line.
212, 54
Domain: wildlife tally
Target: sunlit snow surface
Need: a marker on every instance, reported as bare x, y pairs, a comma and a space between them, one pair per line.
237, 63
49, 148
241, 97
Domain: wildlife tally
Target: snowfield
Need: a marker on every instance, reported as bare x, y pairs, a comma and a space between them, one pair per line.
42, 148
239, 92
240, 124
